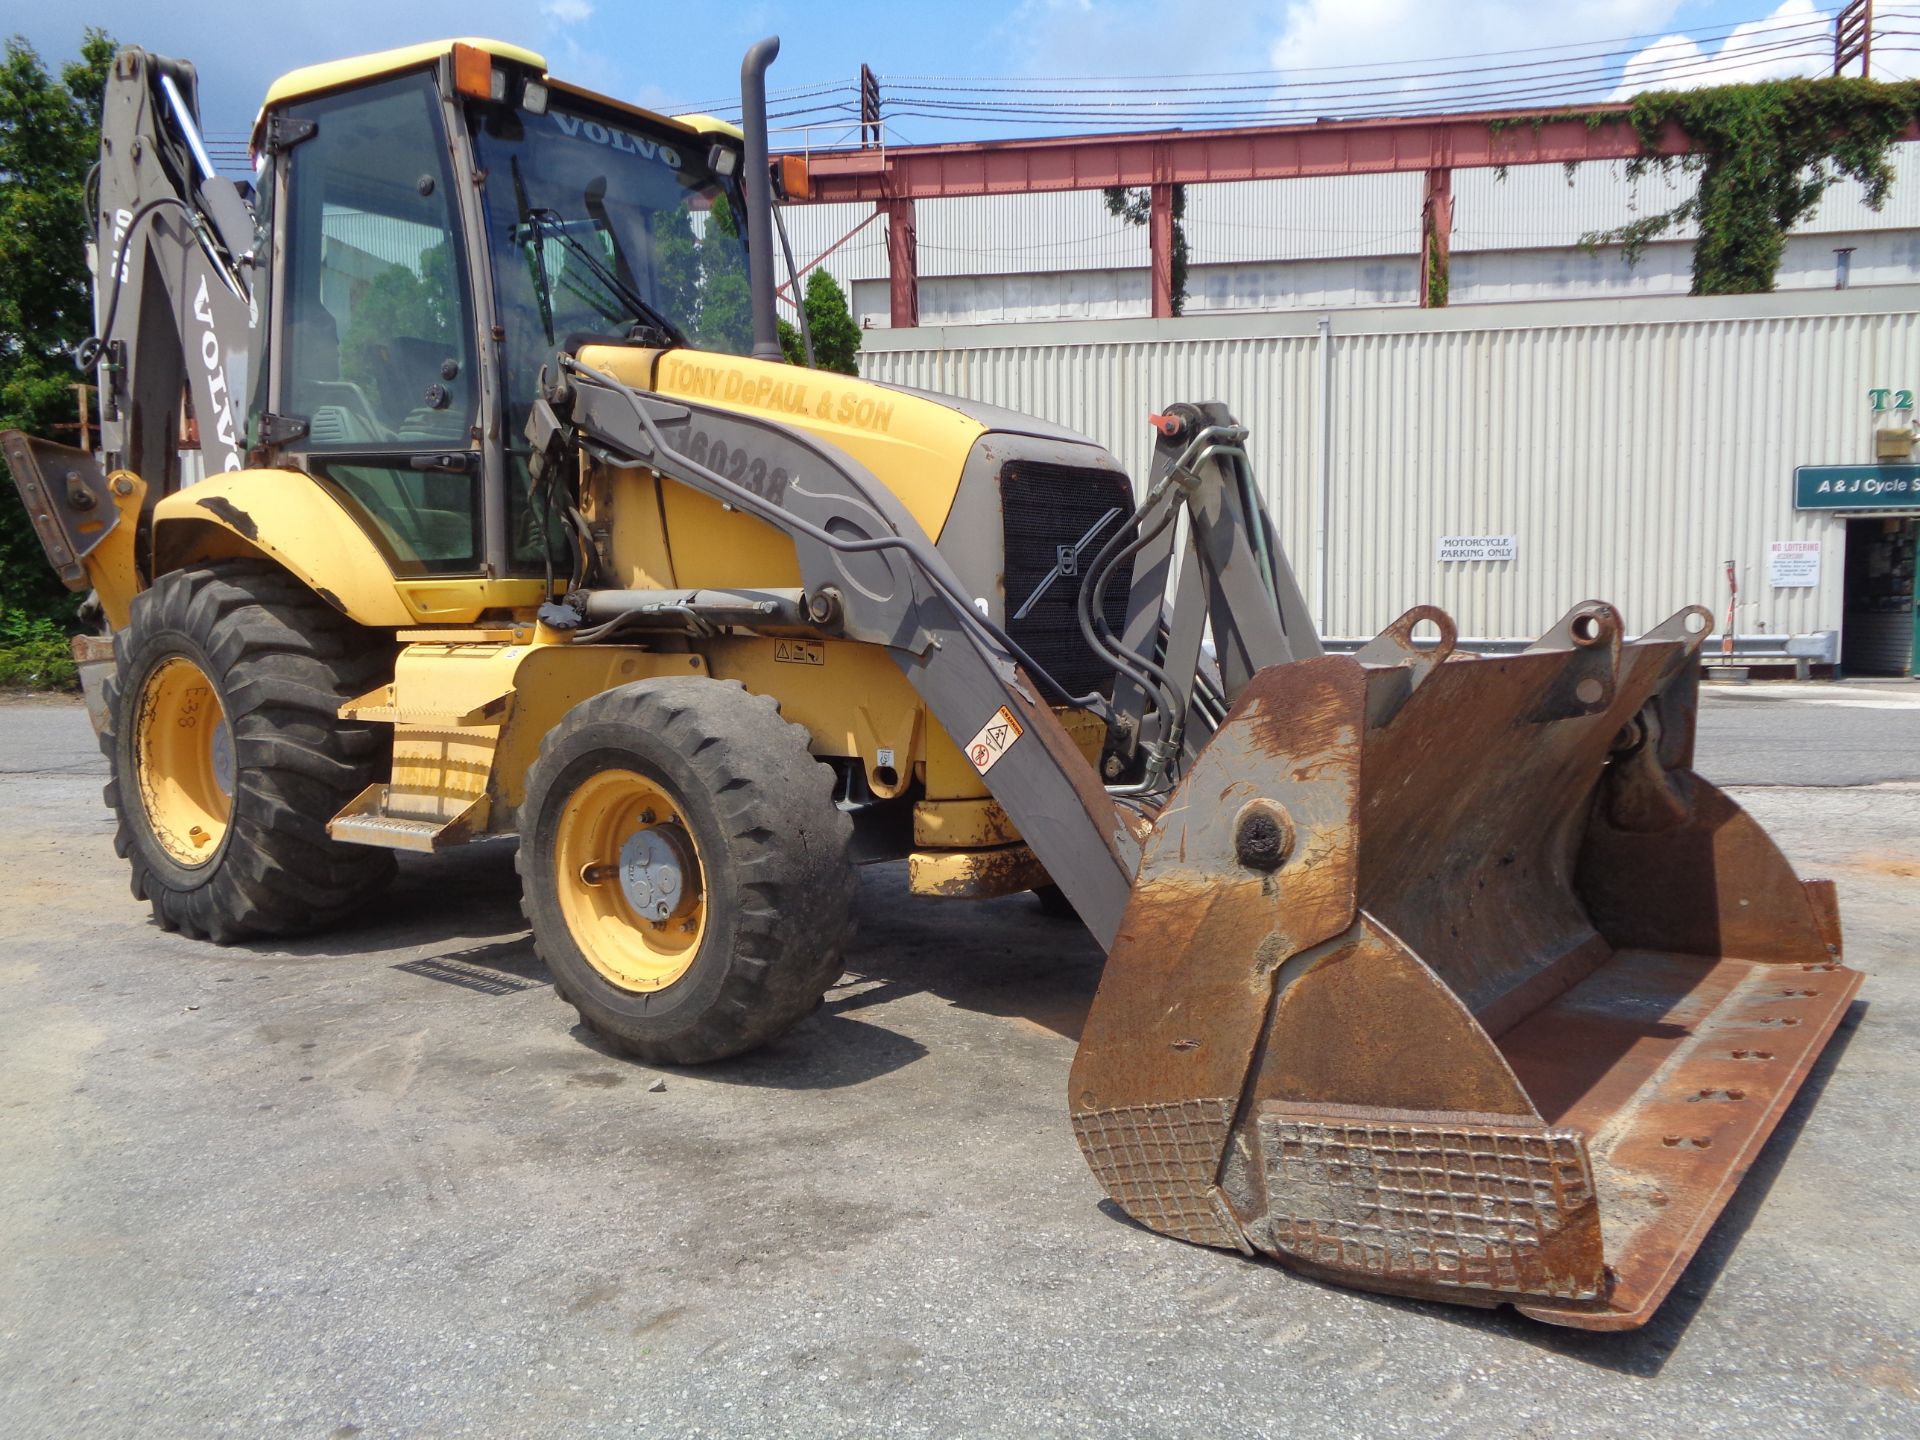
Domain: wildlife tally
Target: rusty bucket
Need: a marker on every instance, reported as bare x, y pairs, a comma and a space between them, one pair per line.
1448, 977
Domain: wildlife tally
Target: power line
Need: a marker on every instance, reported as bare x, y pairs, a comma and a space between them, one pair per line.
1812, 28
1548, 75
1549, 92
1563, 82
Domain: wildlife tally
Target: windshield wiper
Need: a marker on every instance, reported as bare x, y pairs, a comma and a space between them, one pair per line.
539, 251
543, 222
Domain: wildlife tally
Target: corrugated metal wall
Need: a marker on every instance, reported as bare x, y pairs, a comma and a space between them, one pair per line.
1320, 217
1541, 206
1631, 447
1879, 257
1884, 257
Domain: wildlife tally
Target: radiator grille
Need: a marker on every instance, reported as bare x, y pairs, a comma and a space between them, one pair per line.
1044, 508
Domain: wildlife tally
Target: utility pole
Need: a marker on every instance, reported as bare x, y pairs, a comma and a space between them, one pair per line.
1853, 37
869, 107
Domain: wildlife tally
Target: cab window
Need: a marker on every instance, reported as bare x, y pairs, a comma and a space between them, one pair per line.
377, 346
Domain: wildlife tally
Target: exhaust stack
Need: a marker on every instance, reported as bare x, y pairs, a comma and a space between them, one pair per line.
758, 185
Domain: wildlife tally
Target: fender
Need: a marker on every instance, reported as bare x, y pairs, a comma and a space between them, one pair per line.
282, 516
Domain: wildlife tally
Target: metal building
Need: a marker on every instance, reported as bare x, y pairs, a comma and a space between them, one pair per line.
1621, 449
1331, 241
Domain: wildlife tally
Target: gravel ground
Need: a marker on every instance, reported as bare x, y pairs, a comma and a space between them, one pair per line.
376, 1183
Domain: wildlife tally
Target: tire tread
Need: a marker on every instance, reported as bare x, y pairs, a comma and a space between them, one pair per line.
284, 660
790, 844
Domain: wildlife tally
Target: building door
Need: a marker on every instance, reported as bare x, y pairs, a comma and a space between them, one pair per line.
1878, 637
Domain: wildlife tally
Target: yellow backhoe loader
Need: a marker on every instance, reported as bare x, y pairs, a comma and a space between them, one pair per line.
1427, 973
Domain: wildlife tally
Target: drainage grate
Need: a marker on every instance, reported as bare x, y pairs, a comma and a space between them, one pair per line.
468, 977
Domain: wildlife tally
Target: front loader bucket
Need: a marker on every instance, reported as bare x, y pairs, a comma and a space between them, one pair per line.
1448, 977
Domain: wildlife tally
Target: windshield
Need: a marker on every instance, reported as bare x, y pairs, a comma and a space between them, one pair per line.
600, 226
596, 224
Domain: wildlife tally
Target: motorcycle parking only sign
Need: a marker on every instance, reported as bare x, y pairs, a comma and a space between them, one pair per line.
1456, 548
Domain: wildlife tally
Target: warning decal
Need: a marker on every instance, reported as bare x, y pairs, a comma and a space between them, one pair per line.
800, 652
996, 737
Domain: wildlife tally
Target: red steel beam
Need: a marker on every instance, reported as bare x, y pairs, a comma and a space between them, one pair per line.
1160, 248
1195, 157
1436, 236
1435, 144
903, 265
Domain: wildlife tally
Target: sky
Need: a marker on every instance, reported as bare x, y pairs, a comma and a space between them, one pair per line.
675, 56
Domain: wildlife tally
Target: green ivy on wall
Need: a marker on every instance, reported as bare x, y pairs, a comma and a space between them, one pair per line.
1438, 279
1765, 154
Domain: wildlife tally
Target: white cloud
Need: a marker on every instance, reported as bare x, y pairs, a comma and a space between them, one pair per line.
1318, 33
567, 12
1132, 37
1796, 39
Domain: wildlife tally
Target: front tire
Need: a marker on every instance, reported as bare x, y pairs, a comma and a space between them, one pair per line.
228, 758
685, 869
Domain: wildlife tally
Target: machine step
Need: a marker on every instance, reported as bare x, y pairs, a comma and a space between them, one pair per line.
371, 819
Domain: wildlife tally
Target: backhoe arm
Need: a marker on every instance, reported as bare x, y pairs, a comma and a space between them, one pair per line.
173, 266
175, 317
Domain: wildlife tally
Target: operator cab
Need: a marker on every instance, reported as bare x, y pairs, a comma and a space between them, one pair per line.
409, 315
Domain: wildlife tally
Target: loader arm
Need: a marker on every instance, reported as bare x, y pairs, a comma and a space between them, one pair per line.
1429, 974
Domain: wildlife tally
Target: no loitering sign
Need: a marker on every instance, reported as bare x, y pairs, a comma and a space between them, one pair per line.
1793, 564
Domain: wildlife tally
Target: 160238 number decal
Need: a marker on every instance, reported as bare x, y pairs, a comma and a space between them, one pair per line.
769, 482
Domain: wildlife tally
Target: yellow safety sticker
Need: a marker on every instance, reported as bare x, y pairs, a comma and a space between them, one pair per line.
996, 737
800, 652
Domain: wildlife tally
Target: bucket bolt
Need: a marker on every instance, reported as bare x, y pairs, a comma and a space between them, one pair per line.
1263, 836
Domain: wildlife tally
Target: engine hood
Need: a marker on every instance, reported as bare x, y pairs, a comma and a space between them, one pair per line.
917, 445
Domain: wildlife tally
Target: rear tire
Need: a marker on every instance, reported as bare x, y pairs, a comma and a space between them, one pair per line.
758, 884
228, 758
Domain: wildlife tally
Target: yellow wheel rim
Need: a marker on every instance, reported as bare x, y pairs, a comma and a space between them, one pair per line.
630, 880
183, 756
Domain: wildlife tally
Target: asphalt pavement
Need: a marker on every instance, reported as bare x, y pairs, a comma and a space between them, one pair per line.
376, 1182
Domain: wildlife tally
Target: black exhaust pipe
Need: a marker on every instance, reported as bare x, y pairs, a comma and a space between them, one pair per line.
758, 185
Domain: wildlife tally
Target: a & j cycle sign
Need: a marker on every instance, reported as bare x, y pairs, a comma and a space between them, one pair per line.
1856, 487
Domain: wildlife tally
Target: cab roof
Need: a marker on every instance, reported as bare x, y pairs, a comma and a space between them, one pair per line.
334, 74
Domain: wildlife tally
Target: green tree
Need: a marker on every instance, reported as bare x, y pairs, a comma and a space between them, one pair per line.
49, 136
676, 267
726, 301
397, 302
836, 338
